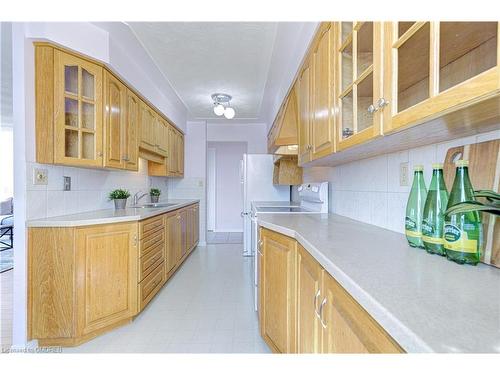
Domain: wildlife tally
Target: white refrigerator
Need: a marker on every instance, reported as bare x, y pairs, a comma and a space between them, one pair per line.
257, 184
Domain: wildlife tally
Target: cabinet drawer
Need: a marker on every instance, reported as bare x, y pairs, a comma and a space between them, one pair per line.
151, 285
151, 260
150, 242
146, 227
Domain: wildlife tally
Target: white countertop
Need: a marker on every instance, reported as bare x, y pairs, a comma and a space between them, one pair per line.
109, 215
425, 302
274, 204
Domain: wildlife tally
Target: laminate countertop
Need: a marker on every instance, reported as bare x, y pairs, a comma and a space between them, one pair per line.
425, 302
109, 216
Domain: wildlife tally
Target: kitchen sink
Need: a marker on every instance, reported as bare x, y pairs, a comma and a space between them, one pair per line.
153, 205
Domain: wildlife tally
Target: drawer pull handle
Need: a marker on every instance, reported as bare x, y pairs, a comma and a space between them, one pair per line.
315, 302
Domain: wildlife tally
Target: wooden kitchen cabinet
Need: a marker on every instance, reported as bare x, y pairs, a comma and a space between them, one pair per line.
303, 309
347, 327
85, 116
277, 292
309, 279
68, 91
173, 241
147, 128
359, 82
184, 225
322, 124
304, 114
82, 281
438, 67
115, 121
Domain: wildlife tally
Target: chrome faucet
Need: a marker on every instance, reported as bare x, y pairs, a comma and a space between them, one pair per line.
137, 197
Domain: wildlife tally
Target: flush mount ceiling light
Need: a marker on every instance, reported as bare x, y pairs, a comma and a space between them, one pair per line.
222, 105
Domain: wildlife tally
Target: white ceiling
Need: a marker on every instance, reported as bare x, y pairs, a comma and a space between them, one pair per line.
202, 58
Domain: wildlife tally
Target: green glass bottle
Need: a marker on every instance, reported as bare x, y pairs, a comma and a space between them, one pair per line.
463, 233
415, 208
433, 216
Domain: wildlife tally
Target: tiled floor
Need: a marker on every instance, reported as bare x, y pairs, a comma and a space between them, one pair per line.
6, 309
207, 307
224, 237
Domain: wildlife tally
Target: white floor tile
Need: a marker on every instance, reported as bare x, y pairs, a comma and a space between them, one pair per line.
207, 307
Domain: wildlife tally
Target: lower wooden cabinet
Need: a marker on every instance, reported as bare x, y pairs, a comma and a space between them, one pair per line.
83, 281
303, 309
277, 294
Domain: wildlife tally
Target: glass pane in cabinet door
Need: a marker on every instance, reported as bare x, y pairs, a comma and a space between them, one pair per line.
365, 99
88, 115
88, 150
71, 79
71, 143
346, 30
71, 112
413, 69
347, 116
466, 49
347, 73
403, 27
365, 47
87, 85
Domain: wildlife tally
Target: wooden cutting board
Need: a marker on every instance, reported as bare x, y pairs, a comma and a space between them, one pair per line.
484, 172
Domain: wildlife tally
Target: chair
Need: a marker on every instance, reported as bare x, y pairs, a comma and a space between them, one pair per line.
6, 224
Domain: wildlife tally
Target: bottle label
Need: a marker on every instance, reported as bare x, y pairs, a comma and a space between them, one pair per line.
458, 240
411, 228
429, 233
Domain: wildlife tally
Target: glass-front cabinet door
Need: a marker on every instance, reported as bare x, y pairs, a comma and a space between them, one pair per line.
438, 67
359, 98
78, 111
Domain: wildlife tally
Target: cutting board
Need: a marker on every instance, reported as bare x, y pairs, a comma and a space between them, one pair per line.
484, 172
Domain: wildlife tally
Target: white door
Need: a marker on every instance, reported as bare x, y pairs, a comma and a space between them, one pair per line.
211, 189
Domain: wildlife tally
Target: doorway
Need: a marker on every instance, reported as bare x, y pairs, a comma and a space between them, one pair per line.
224, 192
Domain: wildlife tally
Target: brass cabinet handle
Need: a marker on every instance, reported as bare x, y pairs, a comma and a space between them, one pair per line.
323, 303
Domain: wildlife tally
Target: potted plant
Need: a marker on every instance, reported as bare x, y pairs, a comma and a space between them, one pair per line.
491, 206
119, 196
154, 194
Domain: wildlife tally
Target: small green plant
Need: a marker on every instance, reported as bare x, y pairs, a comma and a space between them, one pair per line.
154, 192
118, 194
492, 205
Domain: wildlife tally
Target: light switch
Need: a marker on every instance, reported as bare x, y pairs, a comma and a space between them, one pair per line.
403, 174
40, 176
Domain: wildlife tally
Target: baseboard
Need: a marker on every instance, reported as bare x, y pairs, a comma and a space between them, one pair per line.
202, 243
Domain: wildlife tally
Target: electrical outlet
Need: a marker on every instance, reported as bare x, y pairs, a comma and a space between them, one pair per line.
66, 183
40, 176
403, 174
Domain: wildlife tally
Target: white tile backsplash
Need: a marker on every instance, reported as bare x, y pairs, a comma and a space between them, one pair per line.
368, 190
89, 189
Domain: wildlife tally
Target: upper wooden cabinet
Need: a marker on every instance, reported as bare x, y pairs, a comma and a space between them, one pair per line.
437, 68
304, 115
359, 82
87, 117
68, 109
322, 126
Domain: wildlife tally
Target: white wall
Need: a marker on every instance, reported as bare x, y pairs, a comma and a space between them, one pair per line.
368, 190
255, 134
228, 188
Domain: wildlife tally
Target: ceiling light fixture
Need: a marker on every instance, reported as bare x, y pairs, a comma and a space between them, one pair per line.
222, 105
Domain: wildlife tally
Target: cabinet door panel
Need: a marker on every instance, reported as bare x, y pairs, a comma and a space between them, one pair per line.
115, 122
322, 121
132, 132
107, 259
184, 218
172, 163
308, 298
77, 111
173, 240
277, 289
348, 327
147, 123
304, 98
